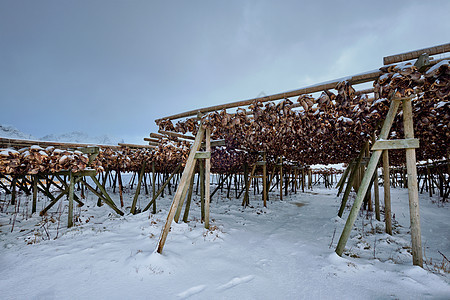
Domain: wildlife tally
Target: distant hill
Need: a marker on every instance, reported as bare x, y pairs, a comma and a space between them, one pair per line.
8, 131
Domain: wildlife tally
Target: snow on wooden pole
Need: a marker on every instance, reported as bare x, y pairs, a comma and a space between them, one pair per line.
183, 181
412, 185
367, 178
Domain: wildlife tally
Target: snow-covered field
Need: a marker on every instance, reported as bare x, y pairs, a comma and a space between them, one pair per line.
285, 251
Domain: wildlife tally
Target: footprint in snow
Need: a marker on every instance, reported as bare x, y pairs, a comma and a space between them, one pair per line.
236, 281
192, 291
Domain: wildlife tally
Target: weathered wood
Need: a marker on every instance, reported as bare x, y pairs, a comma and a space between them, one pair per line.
341, 182
161, 189
367, 178
207, 177
138, 146
203, 155
183, 181
202, 188
188, 201
396, 144
35, 190
264, 178
354, 172
71, 191
356, 79
119, 178
138, 189
387, 193
154, 186
416, 53
412, 184
109, 201
177, 135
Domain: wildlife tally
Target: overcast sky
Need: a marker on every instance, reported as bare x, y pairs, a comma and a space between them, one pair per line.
113, 67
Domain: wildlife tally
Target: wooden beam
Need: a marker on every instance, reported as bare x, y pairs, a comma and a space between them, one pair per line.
387, 124
202, 155
356, 79
207, 177
151, 140
177, 135
416, 53
396, 144
138, 146
183, 181
413, 191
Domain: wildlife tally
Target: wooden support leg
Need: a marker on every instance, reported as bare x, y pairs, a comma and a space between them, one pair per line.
184, 180
207, 177
377, 196
153, 187
353, 174
161, 189
188, 201
412, 186
35, 190
202, 189
387, 193
367, 178
71, 190
138, 190
119, 179
265, 181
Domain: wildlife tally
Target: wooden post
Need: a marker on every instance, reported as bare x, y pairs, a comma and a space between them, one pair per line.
387, 193
367, 178
265, 180
13, 190
207, 177
138, 189
188, 201
412, 185
153, 187
71, 190
353, 174
281, 178
35, 190
161, 189
202, 188
184, 180
119, 179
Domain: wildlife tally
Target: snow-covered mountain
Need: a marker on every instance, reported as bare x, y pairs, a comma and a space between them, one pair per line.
9, 131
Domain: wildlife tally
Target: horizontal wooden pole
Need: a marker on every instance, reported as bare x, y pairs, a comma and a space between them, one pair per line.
151, 140
156, 135
202, 155
6, 143
396, 144
137, 146
416, 53
177, 135
356, 79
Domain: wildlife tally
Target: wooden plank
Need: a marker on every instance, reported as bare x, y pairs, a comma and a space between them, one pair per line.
387, 193
367, 178
138, 189
203, 155
189, 198
207, 177
413, 191
7, 143
161, 189
396, 144
356, 79
151, 140
177, 135
35, 190
351, 179
109, 201
183, 181
138, 146
416, 53
71, 191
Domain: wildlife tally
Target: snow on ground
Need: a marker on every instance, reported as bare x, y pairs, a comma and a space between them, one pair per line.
279, 252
